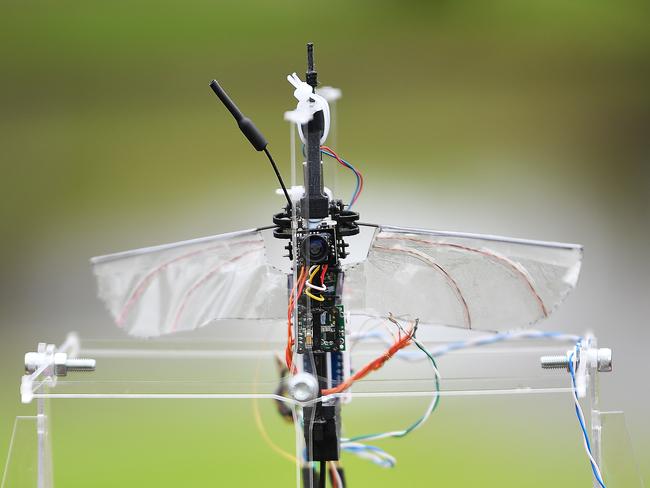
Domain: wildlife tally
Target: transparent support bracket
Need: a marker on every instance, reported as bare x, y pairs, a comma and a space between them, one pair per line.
619, 464
29, 461
511, 368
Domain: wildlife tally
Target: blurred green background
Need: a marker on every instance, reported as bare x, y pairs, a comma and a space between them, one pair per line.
522, 118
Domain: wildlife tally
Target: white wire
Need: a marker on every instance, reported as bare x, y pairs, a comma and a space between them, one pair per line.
581, 419
315, 287
432, 404
454, 346
503, 336
481, 341
372, 453
310, 284
337, 477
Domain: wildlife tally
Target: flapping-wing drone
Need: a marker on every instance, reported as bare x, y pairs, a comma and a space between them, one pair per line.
339, 273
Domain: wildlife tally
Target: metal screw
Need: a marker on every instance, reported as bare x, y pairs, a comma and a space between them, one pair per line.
60, 362
555, 362
602, 360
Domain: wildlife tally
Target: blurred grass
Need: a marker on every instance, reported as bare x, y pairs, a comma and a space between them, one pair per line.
200, 443
106, 103
107, 125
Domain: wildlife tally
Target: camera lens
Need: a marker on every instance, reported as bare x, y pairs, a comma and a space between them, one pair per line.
318, 248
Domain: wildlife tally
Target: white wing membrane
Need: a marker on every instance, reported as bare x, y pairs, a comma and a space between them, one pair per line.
183, 286
461, 280
443, 278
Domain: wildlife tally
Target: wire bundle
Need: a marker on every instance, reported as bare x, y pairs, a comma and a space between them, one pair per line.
483, 341
573, 358
372, 453
404, 338
401, 342
312, 273
328, 151
433, 404
299, 285
337, 482
303, 283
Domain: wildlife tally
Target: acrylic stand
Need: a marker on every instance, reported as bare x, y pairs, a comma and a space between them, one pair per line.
239, 369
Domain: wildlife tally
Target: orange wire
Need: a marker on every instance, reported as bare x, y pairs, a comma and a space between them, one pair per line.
373, 365
332, 467
288, 354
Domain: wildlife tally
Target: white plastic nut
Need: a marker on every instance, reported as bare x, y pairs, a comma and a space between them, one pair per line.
33, 361
303, 387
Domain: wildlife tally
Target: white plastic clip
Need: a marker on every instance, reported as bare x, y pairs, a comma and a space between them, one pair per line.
308, 104
329, 93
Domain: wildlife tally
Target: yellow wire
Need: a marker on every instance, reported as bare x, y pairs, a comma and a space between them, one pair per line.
320, 299
313, 273
307, 292
260, 424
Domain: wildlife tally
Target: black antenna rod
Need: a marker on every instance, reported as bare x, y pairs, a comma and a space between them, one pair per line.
311, 75
317, 203
310, 56
252, 133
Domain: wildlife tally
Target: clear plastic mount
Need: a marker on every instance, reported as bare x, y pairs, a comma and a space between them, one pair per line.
236, 368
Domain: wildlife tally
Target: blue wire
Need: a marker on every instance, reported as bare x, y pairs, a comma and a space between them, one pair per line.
454, 346
580, 421
387, 463
506, 335
356, 173
500, 337
355, 194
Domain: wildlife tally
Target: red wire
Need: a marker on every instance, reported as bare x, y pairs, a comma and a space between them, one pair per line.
336, 156
302, 279
374, 365
322, 275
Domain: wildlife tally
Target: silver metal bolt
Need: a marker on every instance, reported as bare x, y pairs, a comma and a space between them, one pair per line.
555, 362
61, 363
602, 359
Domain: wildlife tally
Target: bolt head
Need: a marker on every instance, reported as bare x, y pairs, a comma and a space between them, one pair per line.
60, 368
303, 387
32, 361
604, 360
